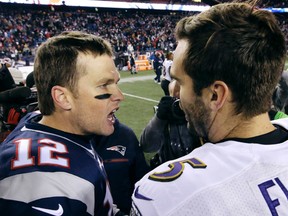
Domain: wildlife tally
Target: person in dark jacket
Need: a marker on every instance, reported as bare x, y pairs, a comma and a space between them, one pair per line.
6, 80
124, 163
167, 132
158, 64
132, 65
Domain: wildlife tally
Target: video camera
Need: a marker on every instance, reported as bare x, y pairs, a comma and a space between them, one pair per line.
170, 107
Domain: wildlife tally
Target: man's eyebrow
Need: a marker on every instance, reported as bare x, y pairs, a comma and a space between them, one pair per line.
105, 80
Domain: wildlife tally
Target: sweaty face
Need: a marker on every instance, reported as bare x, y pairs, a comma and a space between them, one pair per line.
196, 111
98, 95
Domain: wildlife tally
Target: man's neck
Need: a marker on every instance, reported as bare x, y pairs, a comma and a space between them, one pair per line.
238, 127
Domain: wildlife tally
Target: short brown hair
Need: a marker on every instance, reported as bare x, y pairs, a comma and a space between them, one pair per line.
56, 63
240, 45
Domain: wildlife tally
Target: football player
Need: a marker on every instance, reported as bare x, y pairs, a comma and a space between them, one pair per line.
48, 165
228, 61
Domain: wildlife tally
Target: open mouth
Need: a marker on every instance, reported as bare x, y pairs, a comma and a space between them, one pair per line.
111, 116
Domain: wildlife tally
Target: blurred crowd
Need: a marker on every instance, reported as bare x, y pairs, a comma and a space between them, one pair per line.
24, 27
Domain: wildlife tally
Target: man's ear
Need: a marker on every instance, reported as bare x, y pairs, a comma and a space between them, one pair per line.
218, 94
61, 97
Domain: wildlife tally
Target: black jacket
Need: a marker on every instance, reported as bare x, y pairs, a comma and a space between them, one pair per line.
169, 140
124, 163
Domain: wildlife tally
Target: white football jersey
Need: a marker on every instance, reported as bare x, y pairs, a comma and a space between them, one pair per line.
166, 69
223, 179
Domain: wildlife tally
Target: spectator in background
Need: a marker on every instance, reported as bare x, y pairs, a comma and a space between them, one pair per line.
132, 64
6, 80
228, 61
274, 114
124, 163
30, 81
130, 48
280, 95
7, 83
47, 161
167, 132
166, 78
280, 99
157, 65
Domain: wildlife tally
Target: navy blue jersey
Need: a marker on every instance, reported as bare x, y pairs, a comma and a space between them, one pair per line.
124, 163
158, 63
44, 171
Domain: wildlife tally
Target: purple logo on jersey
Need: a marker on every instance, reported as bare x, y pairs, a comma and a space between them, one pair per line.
118, 148
176, 169
140, 196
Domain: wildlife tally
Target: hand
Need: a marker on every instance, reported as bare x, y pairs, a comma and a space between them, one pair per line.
165, 108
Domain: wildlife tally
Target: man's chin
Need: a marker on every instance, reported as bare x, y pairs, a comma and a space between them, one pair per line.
108, 132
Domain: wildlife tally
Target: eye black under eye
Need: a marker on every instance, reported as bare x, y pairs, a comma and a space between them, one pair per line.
103, 96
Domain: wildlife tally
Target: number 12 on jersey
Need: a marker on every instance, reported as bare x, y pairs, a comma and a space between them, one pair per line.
48, 152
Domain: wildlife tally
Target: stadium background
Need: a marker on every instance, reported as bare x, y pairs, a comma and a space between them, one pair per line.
24, 26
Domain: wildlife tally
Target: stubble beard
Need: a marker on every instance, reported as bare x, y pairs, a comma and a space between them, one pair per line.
199, 118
